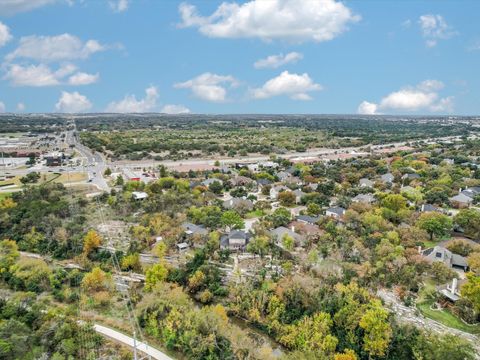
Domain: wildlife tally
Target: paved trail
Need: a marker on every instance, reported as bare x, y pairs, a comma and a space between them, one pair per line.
127, 340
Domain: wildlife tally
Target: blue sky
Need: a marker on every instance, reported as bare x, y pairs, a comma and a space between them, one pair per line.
311, 56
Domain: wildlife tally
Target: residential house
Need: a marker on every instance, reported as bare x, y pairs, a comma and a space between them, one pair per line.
268, 165
335, 212
298, 195
472, 191
441, 254
305, 229
428, 208
238, 203
307, 219
209, 181
192, 229
280, 232
241, 181
275, 190
293, 180
464, 198
283, 175
234, 240
364, 198
295, 211
387, 178
365, 183
261, 183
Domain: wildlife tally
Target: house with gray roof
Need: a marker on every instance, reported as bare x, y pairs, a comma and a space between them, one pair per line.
387, 178
261, 183
275, 190
234, 240
192, 229
441, 254
241, 181
462, 199
238, 203
293, 180
335, 212
283, 175
280, 232
428, 208
209, 181
365, 183
298, 195
307, 219
472, 191
364, 198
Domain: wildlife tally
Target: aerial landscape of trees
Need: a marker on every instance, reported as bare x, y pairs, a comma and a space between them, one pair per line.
305, 285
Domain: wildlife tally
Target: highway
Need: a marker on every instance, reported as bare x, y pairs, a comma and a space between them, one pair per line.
129, 341
94, 162
312, 153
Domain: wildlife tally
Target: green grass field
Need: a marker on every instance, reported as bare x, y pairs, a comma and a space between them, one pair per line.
254, 214
446, 318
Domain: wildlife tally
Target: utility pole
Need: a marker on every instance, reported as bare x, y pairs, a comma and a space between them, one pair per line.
135, 345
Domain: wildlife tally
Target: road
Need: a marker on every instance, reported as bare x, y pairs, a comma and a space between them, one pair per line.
312, 153
95, 163
127, 340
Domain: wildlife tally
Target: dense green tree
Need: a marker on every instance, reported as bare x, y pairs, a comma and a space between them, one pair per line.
280, 217
435, 224
232, 220
469, 221
435, 347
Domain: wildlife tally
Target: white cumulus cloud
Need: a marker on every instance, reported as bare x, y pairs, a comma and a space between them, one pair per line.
10, 7
422, 97
130, 104
55, 48
42, 75
5, 35
295, 86
209, 87
21, 107
2, 107
367, 108
275, 61
73, 102
118, 5
82, 78
434, 28
175, 109
291, 20
36, 75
